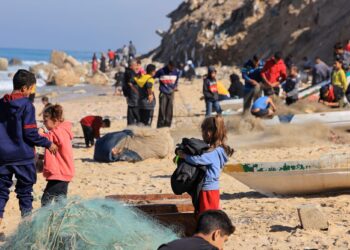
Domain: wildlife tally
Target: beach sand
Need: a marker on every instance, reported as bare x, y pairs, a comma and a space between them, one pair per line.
261, 222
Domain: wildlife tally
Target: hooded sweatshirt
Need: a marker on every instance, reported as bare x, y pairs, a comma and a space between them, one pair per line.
214, 161
18, 131
274, 71
60, 167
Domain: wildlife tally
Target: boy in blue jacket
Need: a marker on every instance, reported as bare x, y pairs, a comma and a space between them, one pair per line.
18, 136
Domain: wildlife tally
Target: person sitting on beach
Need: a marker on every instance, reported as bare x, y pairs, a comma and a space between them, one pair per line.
339, 76
147, 100
331, 96
59, 168
214, 134
213, 229
264, 107
210, 92
291, 87
91, 126
19, 135
46, 103
273, 74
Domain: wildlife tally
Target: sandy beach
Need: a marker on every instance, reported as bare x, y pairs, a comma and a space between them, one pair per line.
261, 222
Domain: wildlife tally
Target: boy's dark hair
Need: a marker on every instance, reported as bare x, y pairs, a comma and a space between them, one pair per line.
150, 68
171, 63
55, 112
44, 99
338, 46
212, 220
278, 55
256, 57
107, 122
23, 78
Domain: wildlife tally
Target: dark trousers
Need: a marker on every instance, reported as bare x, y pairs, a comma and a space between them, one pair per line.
88, 135
250, 96
54, 191
165, 116
133, 116
26, 178
209, 105
146, 116
274, 91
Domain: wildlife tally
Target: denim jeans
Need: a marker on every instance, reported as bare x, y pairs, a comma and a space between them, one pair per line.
209, 107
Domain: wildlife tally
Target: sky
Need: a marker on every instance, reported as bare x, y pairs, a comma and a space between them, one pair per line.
83, 25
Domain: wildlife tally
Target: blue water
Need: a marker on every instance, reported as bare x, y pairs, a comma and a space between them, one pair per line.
40, 55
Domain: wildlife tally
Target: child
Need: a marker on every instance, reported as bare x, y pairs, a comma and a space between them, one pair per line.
18, 136
58, 169
291, 86
210, 92
147, 100
213, 133
91, 126
332, 96
263, 107
46, 103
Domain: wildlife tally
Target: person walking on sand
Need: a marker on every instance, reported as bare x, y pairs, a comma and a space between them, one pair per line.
132, 50
103, 65
59, 168
210, 92
125, 52
19, 135
94, 65
273, 74
214, 134
132, 93
168, 81
111, 57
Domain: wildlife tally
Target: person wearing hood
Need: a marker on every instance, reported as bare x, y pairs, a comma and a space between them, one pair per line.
210, 92
214, 134
18, 137
59, 168
273, 74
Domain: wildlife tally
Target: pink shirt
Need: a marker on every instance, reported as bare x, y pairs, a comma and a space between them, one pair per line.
61, 165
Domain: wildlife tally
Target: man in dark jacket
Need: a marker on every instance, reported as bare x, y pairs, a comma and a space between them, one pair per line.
168, 80
210, 92
320, 72
131, 92
18, 137
251, 73
213, 229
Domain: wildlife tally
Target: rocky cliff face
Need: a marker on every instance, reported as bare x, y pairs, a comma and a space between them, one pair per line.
230, 31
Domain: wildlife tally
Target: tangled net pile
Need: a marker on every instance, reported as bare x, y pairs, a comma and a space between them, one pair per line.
90, 224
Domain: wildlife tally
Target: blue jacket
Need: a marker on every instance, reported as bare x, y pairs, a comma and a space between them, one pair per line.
214, 161
167, 80
249, 72
18, 131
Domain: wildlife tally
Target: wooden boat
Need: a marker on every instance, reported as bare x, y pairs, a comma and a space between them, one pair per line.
293, 178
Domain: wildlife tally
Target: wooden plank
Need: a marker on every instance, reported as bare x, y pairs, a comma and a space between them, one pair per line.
148, 197
165, 208
182, 223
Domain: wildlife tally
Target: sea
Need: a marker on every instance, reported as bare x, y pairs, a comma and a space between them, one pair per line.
30, 57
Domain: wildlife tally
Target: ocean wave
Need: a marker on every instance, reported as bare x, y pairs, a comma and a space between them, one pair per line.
32, 63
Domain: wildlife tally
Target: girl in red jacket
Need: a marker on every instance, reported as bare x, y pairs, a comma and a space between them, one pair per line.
58, 168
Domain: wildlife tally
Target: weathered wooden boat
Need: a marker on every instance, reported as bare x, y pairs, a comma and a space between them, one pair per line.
293, 178
174, 211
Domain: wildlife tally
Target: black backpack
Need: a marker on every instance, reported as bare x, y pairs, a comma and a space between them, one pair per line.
186, 177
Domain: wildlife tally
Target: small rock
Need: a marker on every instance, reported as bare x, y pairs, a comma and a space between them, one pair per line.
311, 217
58, 58
4, 64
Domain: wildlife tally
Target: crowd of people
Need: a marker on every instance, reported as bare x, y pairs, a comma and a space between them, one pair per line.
118, 57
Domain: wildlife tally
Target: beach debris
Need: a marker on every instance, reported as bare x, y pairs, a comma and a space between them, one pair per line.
311, 217
4, 64
89, 224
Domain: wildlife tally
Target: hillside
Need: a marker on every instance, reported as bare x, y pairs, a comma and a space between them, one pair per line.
230, 31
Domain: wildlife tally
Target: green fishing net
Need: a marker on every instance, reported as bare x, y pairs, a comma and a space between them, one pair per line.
88, 224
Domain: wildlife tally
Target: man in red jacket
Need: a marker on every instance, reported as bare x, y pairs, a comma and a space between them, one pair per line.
273, 74
91, 126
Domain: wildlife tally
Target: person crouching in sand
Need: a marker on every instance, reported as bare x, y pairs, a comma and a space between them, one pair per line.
263, 107
59, 168
214, 134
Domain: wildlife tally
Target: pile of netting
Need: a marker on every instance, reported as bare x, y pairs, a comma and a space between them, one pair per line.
88, 224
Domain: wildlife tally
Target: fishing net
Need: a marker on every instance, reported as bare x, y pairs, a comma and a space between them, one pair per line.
88, 224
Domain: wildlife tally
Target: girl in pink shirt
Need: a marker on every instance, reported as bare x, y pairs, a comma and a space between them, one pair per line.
58, 168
